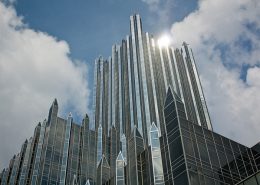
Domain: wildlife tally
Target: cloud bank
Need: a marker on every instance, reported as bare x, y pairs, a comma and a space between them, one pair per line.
225, 37
34, 69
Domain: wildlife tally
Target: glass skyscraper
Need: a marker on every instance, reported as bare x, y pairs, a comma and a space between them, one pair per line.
195, 155
150, 125
59, 150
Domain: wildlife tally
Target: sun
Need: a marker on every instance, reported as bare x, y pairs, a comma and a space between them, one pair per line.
164, 41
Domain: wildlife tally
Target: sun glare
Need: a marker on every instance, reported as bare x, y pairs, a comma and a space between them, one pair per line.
164, 41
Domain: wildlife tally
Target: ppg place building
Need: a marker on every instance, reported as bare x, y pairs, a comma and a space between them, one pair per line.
150, 126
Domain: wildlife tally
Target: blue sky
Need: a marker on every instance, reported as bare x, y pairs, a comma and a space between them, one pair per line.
91, 27
48, 48
94, 25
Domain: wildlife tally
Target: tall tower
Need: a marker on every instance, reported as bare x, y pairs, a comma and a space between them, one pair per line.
136, 146
151, 126
130, 87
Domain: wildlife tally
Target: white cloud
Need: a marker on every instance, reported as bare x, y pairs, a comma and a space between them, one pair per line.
161, 8
153, 4
225, 36
253, 77
34, 69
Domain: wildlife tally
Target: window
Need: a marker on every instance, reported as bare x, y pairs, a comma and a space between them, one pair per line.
44, 182
175, 149
258, 177
209, 180
251, 181
203, 152
194, 178
214, 158
182, 179
188, 146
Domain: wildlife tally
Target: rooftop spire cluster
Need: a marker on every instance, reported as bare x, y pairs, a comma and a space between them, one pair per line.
150, 125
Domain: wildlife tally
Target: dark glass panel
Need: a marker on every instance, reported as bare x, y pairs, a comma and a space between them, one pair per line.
235, 147
209, 181
171, 125
173, 136
169, 109
214, 158
230, 156
200, 139
185, 133
181, 179
44, 182
258, 177
203, 152
208, 134
202, 180
194, 178
220, 148
228, 180
181, 114
169, 99
241, 167
198, 130
170, 117
210, 145
180, 169
251, 181
48, 154
226, 142
188, 146
175, 149
196, 151
217, 139
184, 124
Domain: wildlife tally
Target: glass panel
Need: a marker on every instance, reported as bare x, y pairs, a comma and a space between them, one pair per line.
209, 181
182, 179
203, 152
176, 149
213, 158
194, 178
258, 177
251, 181
188, 146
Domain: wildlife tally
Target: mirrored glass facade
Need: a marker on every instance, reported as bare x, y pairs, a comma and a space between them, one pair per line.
195, 155
103, 171
59, 151
156, 156
150, 126
120, 169
252, 180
